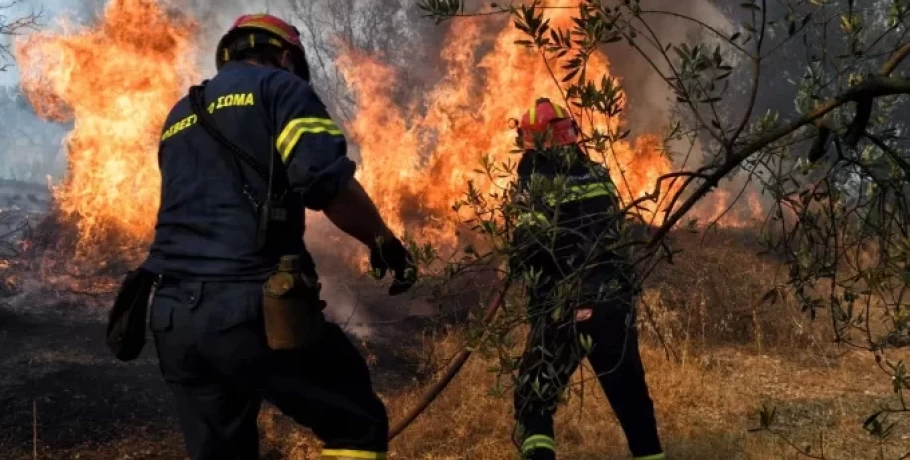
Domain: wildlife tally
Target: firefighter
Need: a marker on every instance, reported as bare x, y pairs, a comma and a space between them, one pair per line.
206, 313
580, 289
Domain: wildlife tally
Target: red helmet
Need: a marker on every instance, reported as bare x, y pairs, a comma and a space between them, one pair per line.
252, 30
543, 117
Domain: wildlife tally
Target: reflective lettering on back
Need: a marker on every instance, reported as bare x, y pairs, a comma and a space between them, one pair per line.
224, 101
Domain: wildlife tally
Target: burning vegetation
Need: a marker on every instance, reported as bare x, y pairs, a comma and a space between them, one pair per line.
117, 79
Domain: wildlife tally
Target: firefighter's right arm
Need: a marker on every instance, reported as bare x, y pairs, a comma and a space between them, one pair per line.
315, 152
354, 213
309, 143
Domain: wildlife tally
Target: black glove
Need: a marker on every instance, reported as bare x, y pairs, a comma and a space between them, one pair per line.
392, 255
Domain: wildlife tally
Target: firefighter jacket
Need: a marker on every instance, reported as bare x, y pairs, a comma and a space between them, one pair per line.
207, 224
569, 223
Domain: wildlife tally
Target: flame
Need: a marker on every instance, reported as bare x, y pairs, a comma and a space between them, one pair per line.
731, 210
117, 81
467, 113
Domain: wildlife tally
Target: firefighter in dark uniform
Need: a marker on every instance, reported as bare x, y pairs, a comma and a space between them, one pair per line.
580, 289
207, 313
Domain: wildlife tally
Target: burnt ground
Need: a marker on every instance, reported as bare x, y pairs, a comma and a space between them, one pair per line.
56, 369
64, 396
59, 382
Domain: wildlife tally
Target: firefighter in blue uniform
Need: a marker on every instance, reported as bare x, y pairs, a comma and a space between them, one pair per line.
580, 289
206, 314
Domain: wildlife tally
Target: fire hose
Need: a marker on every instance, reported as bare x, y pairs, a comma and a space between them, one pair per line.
450, 373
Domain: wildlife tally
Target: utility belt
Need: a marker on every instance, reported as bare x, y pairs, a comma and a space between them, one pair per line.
291, 309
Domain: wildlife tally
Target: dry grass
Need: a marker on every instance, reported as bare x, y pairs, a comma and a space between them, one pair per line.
713, 296
705, 406
733, 354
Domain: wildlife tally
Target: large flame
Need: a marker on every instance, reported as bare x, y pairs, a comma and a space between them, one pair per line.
467, 112
117, 81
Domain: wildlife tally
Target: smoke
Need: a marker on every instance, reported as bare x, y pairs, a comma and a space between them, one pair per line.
30, 148
650, 98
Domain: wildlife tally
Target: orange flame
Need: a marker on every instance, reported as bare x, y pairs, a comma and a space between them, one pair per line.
736, 206
117, 81
467, 113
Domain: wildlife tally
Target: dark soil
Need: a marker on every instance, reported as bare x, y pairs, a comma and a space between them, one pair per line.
60, 384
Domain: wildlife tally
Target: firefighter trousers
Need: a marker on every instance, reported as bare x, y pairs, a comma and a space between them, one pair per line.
555, 350
213, 354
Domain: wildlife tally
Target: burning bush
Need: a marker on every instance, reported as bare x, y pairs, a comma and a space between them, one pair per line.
117, 80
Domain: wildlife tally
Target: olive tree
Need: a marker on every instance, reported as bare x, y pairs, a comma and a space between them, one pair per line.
835, 160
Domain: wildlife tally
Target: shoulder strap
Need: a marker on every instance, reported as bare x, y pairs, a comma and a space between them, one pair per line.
197, 104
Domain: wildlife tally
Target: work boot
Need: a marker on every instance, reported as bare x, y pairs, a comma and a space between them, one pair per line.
538, 447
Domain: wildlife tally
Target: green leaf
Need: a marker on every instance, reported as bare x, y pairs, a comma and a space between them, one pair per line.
571, 75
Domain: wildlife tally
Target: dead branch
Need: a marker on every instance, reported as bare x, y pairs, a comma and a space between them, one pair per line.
15, 27
889, 151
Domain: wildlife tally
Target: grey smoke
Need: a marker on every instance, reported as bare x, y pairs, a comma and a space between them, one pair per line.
30, 148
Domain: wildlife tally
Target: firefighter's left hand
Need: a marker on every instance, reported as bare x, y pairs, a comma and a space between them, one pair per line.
392, 255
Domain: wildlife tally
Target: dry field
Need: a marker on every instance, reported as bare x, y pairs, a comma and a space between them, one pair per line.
63, 397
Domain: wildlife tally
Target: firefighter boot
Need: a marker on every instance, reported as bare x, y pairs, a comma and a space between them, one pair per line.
345, 454
538, 447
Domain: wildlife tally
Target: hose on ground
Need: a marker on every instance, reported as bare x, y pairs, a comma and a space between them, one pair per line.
450, 373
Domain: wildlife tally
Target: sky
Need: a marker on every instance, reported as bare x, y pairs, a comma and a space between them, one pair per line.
52, 9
